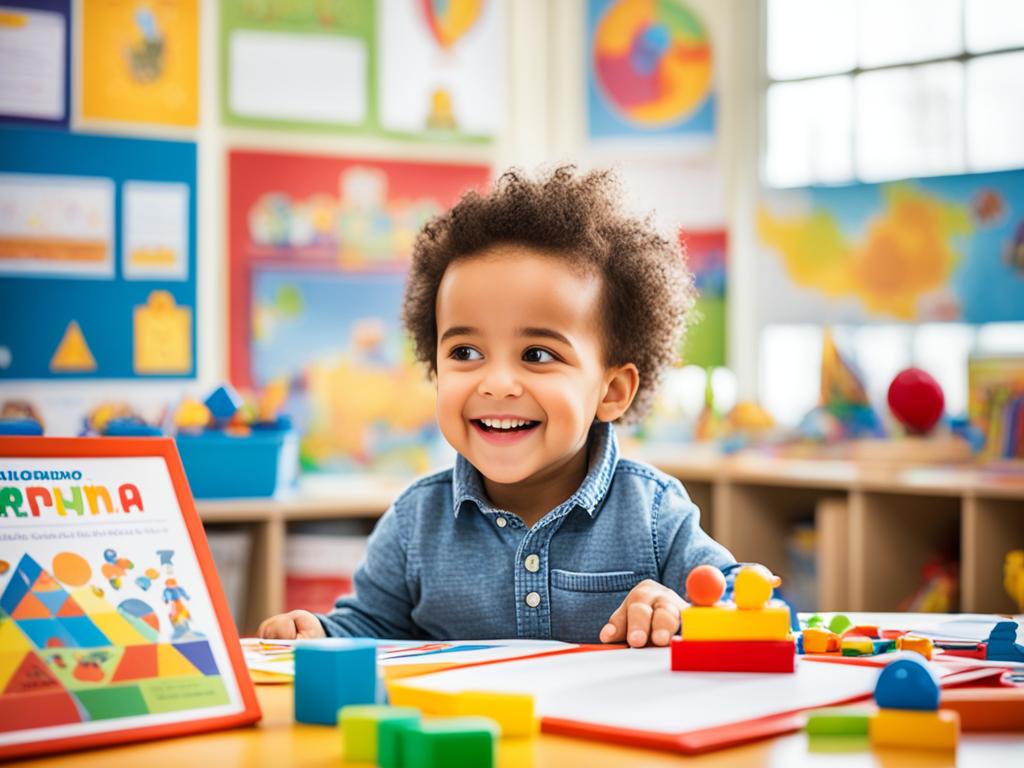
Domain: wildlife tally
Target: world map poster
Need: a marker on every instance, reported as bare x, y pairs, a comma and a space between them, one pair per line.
106, 617
946, 248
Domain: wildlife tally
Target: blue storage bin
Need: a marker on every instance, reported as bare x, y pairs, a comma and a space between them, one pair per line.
262, 464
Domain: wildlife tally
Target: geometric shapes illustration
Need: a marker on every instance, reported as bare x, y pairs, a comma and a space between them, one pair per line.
110, 702
118, 629
91, 600
9, 663
46, 633
199, 653
44, 583
166, 695
72, 569
21, 580
70, 608
85, 632
20, 712
31, 607
32, 675
73, 353
172, 664
141, 616
53, 599
137, 663
11, 638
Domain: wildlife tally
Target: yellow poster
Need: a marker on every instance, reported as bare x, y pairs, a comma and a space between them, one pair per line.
163, 336
141, 61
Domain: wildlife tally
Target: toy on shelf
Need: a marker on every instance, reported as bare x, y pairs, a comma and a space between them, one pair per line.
916, 400
1013, 577
940, 584
907, 694
19, 417
751, 634
995, 405
118, 420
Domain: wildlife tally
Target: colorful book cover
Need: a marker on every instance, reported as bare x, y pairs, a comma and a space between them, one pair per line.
113, 625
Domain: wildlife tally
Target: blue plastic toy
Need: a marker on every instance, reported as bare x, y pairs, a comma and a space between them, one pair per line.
907, 683
20, 427
1002, 643
223, 403
330, 674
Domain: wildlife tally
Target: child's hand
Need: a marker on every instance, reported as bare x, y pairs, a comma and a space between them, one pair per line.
292, 625
649, 610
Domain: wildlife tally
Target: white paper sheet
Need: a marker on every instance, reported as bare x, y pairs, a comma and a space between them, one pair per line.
155, 225
32, 64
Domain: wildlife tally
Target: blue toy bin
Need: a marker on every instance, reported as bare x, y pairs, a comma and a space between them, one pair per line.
220, 466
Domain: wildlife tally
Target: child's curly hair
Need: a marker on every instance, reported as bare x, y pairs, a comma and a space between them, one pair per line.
648, 291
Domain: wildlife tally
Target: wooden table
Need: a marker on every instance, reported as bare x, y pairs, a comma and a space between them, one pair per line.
277, 741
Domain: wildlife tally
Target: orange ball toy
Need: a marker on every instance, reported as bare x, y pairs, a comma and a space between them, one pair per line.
705, 585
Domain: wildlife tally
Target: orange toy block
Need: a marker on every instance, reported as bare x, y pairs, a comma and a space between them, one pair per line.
437, 703
912, 728
922, 645
512, 711
817, 640
728, 623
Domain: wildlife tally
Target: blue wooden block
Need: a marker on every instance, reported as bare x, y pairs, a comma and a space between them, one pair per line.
331, 674
907, 683
1002, 643
223, 403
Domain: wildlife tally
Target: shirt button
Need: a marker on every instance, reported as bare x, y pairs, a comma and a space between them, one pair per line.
533, 599
501, 522
532, 563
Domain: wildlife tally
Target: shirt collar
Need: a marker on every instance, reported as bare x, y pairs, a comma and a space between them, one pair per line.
468, 484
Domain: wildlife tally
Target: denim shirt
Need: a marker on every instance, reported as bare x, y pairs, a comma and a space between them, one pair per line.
444, 563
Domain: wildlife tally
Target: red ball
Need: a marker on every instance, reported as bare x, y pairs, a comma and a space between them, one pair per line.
916, 400
705, 585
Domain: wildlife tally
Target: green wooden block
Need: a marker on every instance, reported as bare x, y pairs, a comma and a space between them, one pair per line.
451, 742
815, 621
839, 623
391, 740
837, 722
360, 728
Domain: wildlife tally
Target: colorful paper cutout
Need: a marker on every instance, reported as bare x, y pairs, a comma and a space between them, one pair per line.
163, 336
73, 354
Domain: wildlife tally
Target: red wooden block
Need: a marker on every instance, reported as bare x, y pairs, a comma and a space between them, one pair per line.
864, 630
733, 655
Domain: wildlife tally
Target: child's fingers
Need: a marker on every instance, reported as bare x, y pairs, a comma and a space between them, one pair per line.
639, 614
280, 627
615, 630
307, 625
665, 621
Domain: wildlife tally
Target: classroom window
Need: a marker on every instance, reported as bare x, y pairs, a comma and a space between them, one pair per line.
872, 90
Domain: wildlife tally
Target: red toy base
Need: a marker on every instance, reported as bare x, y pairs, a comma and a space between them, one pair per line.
733, 655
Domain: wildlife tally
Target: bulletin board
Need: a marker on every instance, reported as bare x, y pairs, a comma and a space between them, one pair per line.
113, 624
140, 61
35, 57
319, 249
97, 256
650, 71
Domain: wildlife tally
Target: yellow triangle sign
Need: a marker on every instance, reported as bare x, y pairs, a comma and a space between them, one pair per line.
73, 352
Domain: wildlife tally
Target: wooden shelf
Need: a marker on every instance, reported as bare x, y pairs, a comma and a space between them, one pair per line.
875, 527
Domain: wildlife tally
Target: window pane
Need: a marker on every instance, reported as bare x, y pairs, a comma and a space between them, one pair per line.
909, 121
1001, 339
808, 132
942, 350
993, 24
790, 363
810, 37
995, 111
898, 31
881, 351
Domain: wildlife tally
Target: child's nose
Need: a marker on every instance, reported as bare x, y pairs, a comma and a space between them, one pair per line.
499, 380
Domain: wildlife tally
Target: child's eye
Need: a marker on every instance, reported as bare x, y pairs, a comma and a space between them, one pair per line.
465, 354
538, 355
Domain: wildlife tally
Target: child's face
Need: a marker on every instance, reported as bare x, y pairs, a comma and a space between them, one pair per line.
519, 340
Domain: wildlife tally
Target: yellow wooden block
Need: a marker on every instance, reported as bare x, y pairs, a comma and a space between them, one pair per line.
438, 703
512, 711
817, 640
912, 728
728, 623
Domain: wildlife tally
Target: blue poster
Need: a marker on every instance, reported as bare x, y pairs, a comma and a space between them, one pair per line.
650, 71
97, 256
35, 59
945, 248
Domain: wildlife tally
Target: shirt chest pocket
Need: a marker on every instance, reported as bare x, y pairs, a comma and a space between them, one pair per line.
582, 602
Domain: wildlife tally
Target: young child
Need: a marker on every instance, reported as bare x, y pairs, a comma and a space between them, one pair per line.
544, 314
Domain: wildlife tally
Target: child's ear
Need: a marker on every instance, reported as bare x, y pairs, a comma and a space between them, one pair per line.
621, 384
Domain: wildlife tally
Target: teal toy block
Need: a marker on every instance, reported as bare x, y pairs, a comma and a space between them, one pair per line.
223, 403
451, 742
837, 722
840, 623
360, 727
331, 674
907, 684
1002, 643
391, 741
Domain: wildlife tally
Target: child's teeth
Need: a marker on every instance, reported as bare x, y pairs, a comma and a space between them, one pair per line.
506, 423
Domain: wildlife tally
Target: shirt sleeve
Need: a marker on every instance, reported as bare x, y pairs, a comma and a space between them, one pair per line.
681, 544
381, 604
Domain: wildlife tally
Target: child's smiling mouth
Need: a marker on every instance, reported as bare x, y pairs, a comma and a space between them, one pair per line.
503, 429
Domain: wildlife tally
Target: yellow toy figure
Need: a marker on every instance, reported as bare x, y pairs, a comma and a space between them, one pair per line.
753, 587
1013, 577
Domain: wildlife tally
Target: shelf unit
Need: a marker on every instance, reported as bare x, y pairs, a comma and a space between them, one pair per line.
876, 527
